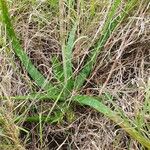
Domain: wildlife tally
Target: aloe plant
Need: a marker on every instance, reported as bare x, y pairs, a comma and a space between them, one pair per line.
65, 76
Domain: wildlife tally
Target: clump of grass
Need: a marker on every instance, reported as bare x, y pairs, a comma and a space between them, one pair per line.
9, 132
67, 81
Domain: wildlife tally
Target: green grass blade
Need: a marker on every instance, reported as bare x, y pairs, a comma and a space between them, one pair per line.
41, 129
33, 96
31, 69
123, 123
67, 58
143, 111
109, 26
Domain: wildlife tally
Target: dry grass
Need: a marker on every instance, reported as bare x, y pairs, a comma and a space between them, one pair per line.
122, 69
